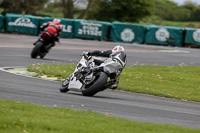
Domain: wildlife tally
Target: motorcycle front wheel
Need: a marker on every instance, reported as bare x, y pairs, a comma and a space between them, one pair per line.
37, 50
64, 87
96, 86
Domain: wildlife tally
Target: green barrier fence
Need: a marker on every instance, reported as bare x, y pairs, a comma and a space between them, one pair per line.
192, 36
91, 29
22, 24
164, 35
1, 23
117, 31
128, 33
66, 25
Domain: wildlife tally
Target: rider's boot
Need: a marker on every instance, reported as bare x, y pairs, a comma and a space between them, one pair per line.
115, 84
37, 39
35, 42
108, 84
48, 47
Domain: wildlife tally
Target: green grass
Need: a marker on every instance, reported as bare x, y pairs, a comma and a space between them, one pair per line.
181, 82
61, 71
19, 117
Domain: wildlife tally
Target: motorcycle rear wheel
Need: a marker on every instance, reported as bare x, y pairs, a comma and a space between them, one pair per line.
36, 50
96, 86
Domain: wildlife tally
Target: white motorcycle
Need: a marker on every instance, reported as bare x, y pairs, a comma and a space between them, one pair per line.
90, 78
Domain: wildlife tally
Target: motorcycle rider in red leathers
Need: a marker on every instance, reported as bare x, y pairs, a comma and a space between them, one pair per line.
51, 31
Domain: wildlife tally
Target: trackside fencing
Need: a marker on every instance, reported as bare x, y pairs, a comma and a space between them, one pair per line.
192, 36
128, 33
116, 31
164, 35
91, 29
1, 22
22, 24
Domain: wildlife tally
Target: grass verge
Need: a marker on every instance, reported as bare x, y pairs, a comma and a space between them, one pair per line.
181, 82
19, 117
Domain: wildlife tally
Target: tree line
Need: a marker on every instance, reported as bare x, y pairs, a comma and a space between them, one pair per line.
168, 10
106, 10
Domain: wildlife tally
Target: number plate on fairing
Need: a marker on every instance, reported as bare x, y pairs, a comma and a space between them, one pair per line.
75, 85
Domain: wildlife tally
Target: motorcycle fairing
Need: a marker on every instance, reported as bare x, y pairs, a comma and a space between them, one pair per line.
75, 84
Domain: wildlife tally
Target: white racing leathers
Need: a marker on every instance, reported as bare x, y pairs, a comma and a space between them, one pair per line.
90, 78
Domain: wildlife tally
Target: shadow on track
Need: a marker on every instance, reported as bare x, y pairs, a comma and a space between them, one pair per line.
95, 96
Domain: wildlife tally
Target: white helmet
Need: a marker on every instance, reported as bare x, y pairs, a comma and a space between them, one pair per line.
57, 20
117, 49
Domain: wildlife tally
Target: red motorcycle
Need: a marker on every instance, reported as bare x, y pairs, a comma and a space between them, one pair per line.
42, 46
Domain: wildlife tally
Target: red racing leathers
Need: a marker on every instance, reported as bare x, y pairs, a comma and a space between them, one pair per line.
53, 29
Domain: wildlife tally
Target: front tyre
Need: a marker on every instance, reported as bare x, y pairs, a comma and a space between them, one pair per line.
96, 86
36, 50
64, 87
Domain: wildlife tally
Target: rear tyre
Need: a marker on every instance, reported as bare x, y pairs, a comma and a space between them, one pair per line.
36, 50
96, 86
42, 55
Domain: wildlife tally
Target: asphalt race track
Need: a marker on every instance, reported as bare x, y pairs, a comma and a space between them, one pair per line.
15, 51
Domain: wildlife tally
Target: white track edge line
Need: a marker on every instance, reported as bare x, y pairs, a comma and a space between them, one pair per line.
3, 69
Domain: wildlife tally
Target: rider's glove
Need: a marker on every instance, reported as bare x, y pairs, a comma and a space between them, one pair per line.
86, 55
41, 28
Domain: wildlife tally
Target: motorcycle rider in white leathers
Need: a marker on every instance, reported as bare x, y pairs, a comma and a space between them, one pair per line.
116, 54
